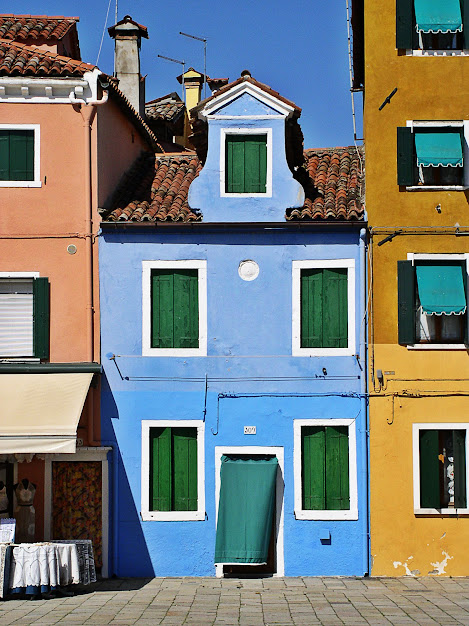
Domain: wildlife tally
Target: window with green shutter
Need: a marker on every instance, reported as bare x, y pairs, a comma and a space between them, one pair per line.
325, 468
173, 469
245, 163
175, 308
324, 308
436, 25
442, 468
24, 317
16, 155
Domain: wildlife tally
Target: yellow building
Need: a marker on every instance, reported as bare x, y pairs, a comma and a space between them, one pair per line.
413, 64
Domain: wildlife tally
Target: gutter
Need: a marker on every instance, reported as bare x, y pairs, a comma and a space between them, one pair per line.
50, 368
297, 225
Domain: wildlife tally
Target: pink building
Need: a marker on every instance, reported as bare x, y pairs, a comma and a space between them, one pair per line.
67, 134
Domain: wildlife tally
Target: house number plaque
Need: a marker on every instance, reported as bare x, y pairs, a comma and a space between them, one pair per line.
249, 430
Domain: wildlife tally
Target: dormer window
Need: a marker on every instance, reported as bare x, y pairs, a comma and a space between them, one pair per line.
246, 162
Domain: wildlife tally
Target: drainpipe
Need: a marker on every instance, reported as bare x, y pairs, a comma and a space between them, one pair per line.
112, 553
88, 111
364, 404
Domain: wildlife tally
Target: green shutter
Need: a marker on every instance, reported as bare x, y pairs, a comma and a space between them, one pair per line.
313, 471
404, 23
405, 157
185, 469
337, 468
234, 182
311, 308
459, 455
160, 469
429, 470
186, 309
255, 164
162, 309
335, 309
22, 155
41, 315
4, 155
406, 302
465, 23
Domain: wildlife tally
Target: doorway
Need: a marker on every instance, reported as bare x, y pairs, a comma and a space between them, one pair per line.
273, 565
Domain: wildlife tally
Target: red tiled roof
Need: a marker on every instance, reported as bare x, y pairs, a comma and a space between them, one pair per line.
155, 189
17, 59
167, 108
23, 27
333, 186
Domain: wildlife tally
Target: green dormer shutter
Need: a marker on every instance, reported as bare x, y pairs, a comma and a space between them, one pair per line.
246, 164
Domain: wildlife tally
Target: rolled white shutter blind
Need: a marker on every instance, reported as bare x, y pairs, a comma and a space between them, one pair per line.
16, 317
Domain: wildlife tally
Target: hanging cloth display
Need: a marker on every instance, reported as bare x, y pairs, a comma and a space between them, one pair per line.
245, 510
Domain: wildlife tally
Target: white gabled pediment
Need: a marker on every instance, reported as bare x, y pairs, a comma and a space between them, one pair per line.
219, 106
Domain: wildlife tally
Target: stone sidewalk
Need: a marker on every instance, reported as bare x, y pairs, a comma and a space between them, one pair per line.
252, 602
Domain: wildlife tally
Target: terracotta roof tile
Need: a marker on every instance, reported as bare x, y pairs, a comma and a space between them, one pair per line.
333, 183
155, 189
17, 59
167, 108
23, 27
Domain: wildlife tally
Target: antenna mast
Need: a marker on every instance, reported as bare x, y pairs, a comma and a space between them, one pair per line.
205, 57
183, 63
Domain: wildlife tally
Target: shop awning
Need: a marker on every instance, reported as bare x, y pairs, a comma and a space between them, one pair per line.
438, 16
39, 413
245, 509
441, 289
438, 149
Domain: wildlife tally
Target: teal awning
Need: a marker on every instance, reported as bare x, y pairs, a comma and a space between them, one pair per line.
438, 16
245, 509
443, 148
441, 289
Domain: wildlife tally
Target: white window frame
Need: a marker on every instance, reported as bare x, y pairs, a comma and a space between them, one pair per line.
37, 156
412, 256
416, 428
306, 514
30, 276
245, 131
297, 266
278, 452
464, 124
147, 267
172, 516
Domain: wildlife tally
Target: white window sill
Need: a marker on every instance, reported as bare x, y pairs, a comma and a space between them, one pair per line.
437, 346
323, 352
173, 516
437, 53
351, 514
441, 511
437, 188
181, 352
245, 195
20, 183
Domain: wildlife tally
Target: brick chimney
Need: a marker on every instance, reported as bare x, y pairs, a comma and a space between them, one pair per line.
128, 35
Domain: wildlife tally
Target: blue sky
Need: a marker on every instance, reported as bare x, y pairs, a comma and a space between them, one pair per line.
299, 48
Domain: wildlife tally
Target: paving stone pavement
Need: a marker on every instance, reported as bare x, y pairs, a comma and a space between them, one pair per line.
252, 602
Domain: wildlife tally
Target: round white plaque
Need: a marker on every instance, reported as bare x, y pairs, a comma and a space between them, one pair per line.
248, 270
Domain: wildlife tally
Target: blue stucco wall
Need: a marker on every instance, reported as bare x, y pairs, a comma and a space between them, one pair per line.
249, 357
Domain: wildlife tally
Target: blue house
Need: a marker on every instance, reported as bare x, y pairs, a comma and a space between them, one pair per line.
233, 343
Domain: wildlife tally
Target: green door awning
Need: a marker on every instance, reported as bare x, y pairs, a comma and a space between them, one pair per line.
441, 289
438, 16
439, 149
245, 509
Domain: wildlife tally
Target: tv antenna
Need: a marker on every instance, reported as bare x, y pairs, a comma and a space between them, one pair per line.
205, 57
183, 63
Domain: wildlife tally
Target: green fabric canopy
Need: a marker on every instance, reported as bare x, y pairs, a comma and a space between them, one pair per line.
441, 289
245, 509
433, 16
438, 148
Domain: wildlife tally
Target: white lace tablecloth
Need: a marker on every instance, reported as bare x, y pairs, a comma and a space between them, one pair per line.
38, 567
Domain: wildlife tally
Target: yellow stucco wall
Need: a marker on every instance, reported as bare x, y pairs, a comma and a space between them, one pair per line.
428, 88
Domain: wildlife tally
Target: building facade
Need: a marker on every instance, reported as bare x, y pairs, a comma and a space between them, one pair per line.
233, 347
416, 130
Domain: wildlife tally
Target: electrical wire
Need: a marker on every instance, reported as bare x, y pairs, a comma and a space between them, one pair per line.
104, 30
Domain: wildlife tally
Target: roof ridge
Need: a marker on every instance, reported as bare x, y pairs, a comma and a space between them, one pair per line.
46, 53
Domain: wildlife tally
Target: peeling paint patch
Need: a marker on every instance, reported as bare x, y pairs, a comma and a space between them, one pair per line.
414, 572
440, 566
